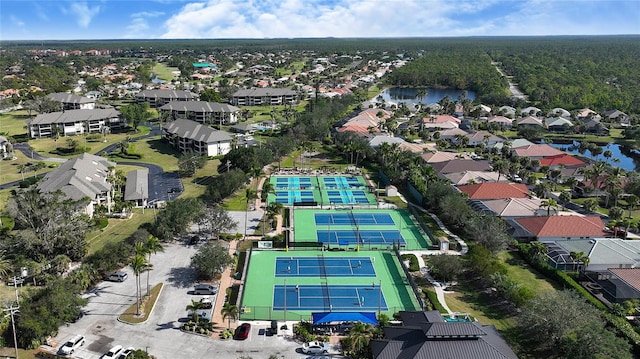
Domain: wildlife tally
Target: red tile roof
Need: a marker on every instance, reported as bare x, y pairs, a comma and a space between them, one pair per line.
564, 226
631, 276
441, 119
563, 159
495, 190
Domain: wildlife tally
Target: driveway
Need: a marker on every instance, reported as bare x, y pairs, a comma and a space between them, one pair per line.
163, 186
160, 334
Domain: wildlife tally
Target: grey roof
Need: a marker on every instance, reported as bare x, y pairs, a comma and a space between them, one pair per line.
378, 140
196, 131
65, 97
605, 252
458, 340
518, 142
83, 176
71, 116
264, 91
137, 186
167, 94
199, 106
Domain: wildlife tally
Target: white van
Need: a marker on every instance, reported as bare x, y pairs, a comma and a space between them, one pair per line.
117, 276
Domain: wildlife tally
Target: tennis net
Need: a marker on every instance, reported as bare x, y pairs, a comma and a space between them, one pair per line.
323, 272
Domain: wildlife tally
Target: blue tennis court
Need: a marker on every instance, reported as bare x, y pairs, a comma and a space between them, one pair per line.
347, 196
329, 297
354, 236
341, 182
320, 266
293, 183
295, 196
353, 219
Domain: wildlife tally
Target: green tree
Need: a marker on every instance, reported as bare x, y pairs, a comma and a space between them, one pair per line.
211, 259
217, 220
193, 308
189, 163
210, 95
590, 205
139, 265
229, 312
549, 204
446, 268
135, 114
151, 246
175, 218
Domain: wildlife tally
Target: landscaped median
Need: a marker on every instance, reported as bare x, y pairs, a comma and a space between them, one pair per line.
146, 307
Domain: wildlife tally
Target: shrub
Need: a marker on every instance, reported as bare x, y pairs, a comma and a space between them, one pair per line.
433, 298
413, 262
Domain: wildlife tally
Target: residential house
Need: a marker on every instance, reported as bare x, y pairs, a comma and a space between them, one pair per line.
537, 151
187, 135
366, 122
529, 121
6, 148
620, 284
200, 111
450, 134
518, 142
603, 253
470, 177
440, 122
561, 161
264, 96
482, 110
587, 113
73, 122
136, 188
442, 156
530, 111
558, 111
494, 190
158, 98
511, 208
617, 116
460, 165
593, 125
554, 228
85, 176
558, 124
429, 335
507, 111
501, 121
485, 137
71, 101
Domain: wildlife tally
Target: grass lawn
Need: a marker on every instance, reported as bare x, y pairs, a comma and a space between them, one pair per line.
129, 315
14, 123
9, 169
118, 229
522, 273
164, 72
154, 150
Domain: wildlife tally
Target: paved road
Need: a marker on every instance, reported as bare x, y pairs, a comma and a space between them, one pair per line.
161, 334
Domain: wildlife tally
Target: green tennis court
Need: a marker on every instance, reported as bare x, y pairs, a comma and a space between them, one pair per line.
320, 190
362, 228
299, 293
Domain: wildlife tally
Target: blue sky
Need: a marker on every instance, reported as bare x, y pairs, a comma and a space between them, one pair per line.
158, 19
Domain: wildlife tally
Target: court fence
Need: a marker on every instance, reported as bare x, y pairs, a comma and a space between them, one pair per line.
414, 286
267, 313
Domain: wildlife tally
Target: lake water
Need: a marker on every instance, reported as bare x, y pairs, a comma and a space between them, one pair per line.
410, 95
621, 153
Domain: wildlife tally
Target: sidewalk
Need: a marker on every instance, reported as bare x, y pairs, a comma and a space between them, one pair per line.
226, 281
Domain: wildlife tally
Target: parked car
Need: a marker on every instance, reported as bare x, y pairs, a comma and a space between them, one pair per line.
206, 289
13, 281
117, 276
72, 344
242, 332
113, 353
206, 303
126, 353
315, 347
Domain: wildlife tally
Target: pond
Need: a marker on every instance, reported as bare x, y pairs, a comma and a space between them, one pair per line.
622, 156
410, 95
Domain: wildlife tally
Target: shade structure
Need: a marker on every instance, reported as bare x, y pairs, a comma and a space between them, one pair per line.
332, 317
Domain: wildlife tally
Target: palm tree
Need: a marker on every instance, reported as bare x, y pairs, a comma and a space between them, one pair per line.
273, 209
632, 203
250, 194
139, 265
229, 312
152, 246
193, 308
5, 265
537, 250
565, 197
549, 203
360, 337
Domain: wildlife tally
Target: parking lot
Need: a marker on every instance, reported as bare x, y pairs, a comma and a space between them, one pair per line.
160, 334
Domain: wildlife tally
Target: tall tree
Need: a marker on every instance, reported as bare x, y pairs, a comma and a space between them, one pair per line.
211, 259
135, 114
229, 312
152, 246
139, 265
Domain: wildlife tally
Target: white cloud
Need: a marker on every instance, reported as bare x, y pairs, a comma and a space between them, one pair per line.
390, 18
139, 25
83, 13
15, 21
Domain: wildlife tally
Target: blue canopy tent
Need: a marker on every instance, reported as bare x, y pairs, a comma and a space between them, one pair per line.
332, 317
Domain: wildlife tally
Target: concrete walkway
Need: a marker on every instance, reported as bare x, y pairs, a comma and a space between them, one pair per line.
226, 281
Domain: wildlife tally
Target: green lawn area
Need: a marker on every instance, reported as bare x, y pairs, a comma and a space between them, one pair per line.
164, 72
9, 169
14, 123
118, 229
154, 150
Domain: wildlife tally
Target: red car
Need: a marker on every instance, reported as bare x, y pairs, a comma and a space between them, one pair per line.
242, 332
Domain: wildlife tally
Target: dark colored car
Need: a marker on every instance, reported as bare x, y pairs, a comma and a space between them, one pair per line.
242, 332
